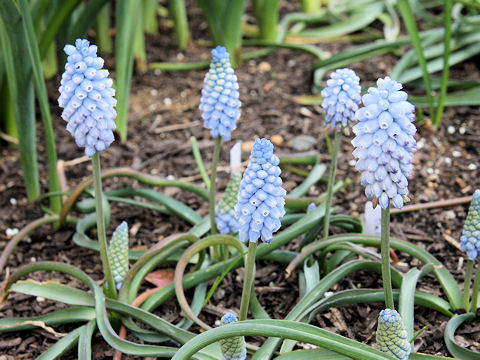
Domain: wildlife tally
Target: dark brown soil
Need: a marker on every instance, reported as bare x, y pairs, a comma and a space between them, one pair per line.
446, 166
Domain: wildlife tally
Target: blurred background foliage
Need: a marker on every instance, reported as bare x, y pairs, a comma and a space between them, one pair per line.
427, 37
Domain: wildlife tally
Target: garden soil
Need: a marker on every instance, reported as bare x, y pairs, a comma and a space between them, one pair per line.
164, 116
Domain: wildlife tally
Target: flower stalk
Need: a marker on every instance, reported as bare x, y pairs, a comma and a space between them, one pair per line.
248, 280
466, 284
385, 252
102, 238
476, 287
331, 180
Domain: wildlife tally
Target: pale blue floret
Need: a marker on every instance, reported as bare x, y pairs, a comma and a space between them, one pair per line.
220, 102
261, 198
233, 348
470, 239
384, 142
312, 206
87, 96
341, 97
392, 335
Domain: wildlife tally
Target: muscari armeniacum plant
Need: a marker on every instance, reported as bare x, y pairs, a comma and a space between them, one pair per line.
87, 99
341, 100
384, 146
392, 335
470, 243
220, 106
260, 206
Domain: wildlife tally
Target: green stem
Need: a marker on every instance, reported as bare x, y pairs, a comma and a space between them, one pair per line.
476, 285
249, 277
216, 155
102, 238
331, 181
466, 284
385, 252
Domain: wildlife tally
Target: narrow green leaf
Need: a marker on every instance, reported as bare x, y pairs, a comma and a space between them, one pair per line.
63, 346
20, 85
313, 177
312, 354
85, 340
180, 22
411, 25
449, 336
124, 56
32, 47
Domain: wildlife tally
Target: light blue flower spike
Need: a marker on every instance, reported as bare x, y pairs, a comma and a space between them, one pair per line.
261, 198
220, 102
392, 335
341, 97
470, 239
233, 348
225, 213
384, 142
87, 96
118, 253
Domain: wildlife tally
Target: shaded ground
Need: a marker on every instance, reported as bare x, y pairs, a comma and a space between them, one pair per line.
446, 166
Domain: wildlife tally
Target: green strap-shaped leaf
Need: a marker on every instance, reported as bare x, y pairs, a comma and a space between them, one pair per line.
20, 85
449, 335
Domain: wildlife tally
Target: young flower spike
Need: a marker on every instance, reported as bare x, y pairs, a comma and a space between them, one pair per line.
232, 348
391, 335
118, 253
87, 96
341, 97
261, 198
220, 97
225, 213
384, 144
470, 239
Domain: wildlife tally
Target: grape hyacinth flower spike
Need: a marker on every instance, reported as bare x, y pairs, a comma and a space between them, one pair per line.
233, 348
261, 197
220, 106
384, 146
470, 243
259, 209
384, 142
225, 213
341, 97
118, 253
392, 335
220, 97
470, 239
87, 96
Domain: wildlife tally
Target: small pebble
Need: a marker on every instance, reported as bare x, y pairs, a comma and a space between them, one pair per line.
420, 144
472, 167
153, 92
40, 299
450, 214
456, 153
448, 161
430, 171
247, 146
180, 56
352, 162
277, 140
451, 129
13, 201
462, 130
264, 66
291, 63
170, 177
11, 232
183, 94
167, 101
